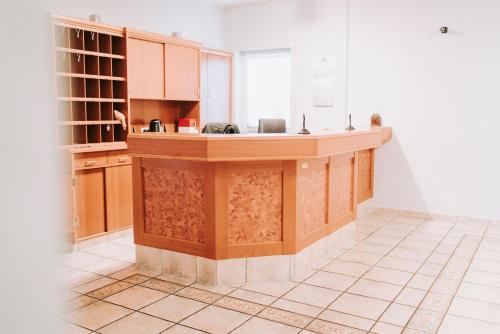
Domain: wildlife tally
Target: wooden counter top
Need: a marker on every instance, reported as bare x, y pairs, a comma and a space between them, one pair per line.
246, 147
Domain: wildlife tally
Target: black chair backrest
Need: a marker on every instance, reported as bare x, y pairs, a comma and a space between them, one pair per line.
272, 125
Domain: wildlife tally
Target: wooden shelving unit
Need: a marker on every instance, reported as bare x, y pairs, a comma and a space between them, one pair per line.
90, 74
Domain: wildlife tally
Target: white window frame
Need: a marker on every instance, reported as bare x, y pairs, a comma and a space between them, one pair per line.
244, 55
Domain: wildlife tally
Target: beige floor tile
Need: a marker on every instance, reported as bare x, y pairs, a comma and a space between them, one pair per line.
215, 319
346, 319
77, 303
173, 308
162, 285
312, 295
285, 317
326, 327
136, 323
485, 265
94, 285
374, 289
127, 257
436, 302
488, 254
372, 248
132, 270
239, 305
136, 279
347, 268
97, 315
399, 264
445, 247
430, 269
108, 250
392, 276
458, 325
422, 282
288, 305
393, 231
76, 277
397, 314
109, 290
360, 306
383, 240
68, 328
136, 297
78, 259
438, 258
475, 309
253, 297
383, 328
409, 253
419, 244
199, 295
410, 296
179, 329
333, 281
220, 289
107, 266
360, 257
272, 288
483, 293
425, 321
263, 326
482, 278
445, 286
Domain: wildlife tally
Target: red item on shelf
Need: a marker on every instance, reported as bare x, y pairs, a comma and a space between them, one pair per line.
187, 122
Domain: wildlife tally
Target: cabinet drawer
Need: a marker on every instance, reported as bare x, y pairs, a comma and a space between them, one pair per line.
89, 160
119, 157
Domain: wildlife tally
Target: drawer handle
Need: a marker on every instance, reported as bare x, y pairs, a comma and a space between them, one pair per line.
90, 163
123, 159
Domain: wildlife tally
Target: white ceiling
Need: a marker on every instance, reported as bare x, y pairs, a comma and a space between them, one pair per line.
231, 3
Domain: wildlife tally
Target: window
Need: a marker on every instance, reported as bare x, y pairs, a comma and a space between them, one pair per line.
265, 86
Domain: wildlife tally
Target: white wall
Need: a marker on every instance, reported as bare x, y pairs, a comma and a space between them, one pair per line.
439, 93
198, 20
310, 28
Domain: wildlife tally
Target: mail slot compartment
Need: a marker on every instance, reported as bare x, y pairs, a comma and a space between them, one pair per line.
118, 157
89, 160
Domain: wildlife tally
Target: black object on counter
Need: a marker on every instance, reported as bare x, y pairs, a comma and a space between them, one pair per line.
154, 125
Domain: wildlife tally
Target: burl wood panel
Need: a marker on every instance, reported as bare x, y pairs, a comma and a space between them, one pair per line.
255, 200
342, 179
174, 204
313, 195
365, 174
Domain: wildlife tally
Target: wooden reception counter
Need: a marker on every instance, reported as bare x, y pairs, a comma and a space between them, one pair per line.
247, 195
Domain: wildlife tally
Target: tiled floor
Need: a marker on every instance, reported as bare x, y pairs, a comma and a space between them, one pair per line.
405, 275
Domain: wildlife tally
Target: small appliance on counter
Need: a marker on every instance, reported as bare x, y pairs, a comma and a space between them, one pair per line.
154, 126
187, 125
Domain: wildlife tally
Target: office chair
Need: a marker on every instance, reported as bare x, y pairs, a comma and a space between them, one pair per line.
272, 125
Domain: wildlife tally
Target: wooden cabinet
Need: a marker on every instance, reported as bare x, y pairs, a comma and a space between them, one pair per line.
119, 197
145, 69
182, 73
89, 202
102, 192
216, 72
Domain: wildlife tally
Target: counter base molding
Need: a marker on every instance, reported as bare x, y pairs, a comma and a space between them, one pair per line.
296, 267
260, 210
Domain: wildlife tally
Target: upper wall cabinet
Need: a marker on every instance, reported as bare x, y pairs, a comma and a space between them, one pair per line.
182, 73
162, 67
146, 69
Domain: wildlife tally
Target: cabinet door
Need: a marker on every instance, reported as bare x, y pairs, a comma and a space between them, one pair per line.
182, 73
218, 88
89, 200
119, 197
146, 69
